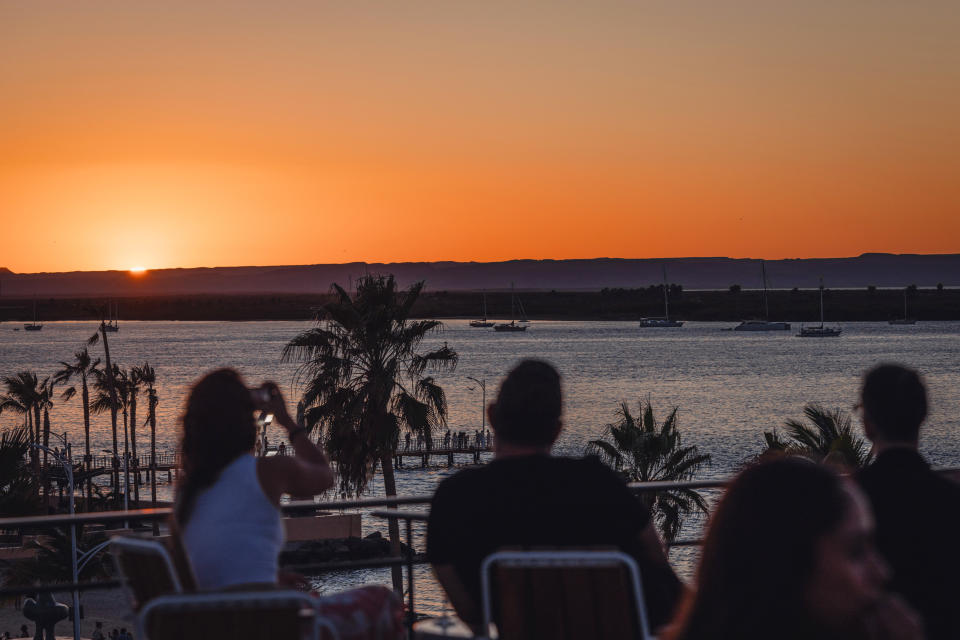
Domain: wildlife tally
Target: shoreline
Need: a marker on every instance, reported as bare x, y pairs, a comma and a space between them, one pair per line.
842, 305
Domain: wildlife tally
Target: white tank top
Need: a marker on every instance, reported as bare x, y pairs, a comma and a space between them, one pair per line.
234, 533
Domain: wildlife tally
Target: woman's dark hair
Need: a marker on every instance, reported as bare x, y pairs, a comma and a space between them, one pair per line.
529, 403
760, 551
218, 426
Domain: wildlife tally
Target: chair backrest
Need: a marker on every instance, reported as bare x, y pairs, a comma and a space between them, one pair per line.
564, 595
181, 561
241, 615
145, 567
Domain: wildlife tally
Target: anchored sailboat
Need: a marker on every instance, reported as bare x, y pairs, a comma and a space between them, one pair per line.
33, 326
113, 317
820, 331
905, 319
484, 322
665, 321
763, 325
512, 325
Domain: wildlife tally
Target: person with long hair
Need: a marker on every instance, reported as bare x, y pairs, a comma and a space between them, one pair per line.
227, 502
789, 554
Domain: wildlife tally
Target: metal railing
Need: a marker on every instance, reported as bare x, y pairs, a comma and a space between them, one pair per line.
408, 559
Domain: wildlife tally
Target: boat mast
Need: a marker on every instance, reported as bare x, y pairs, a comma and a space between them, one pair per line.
821, 301
484, 306
513, 314
666, 304
904, 304
766, 304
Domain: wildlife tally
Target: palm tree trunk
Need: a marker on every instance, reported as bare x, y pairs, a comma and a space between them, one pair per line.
390, 488
87, 460
41, 470
153, 456
133, 451
46, 443
113, 404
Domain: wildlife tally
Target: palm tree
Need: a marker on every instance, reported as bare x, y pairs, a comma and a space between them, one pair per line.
134, 383
23, 397
148, 377
827, 436
81, 367
18, 486
110, 385
364, 381
645, 451
46, 402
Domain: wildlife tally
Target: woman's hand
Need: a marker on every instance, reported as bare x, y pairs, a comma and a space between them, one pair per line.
276, 405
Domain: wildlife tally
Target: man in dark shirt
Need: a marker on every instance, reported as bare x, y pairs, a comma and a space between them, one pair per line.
527, 498
917, 511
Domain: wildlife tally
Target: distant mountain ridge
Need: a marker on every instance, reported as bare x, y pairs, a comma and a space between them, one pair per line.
878, 269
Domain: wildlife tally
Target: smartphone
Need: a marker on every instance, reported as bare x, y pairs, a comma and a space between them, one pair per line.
260, 396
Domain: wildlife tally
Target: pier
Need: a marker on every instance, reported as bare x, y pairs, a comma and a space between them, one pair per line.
424, 453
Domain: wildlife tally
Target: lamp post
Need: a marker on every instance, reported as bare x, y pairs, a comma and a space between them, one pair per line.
68, 468
483, 406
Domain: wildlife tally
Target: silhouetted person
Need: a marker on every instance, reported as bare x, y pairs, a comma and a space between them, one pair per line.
788, 556
527, 498
917, 510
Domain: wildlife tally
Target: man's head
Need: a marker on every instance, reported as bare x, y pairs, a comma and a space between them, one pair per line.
528, 406
894, 404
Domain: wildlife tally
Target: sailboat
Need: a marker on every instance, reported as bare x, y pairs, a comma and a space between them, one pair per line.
33, 326
904, 319
523, 312
820, 331
763, 325
512, 325
484, 322
113, 319
665, 321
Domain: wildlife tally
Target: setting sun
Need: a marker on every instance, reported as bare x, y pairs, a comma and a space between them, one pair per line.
137, 271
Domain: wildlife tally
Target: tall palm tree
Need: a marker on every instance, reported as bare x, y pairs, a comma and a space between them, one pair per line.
826, 436
148, 377
134, 384
46, 402
111, 387
364, 380
645, 451
23, 397
110, 394
82, 367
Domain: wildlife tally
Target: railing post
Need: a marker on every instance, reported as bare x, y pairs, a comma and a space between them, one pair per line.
411, 615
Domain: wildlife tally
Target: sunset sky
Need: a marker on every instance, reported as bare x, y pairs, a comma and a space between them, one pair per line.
168, 134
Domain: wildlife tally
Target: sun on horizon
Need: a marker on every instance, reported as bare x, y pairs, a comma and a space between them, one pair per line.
137, 271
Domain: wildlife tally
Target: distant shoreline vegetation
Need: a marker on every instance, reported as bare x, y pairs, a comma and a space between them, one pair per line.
731, 305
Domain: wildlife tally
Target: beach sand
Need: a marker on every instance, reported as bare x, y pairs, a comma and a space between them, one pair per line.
109, 606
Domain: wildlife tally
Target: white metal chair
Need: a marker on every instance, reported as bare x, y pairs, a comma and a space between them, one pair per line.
564, 595
240, 615
145, 568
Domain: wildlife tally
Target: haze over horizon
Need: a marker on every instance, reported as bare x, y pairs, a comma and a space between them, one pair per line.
187, 134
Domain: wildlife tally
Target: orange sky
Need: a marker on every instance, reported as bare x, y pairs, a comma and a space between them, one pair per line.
306, 132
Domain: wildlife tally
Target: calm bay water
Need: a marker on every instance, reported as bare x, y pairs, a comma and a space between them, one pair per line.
730, 386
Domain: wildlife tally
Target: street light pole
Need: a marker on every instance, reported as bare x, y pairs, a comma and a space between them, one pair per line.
68, 468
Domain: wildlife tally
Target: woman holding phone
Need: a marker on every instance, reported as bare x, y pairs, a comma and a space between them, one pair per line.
227, 502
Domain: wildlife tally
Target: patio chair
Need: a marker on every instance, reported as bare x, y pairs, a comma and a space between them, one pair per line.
240, 615
564, 595
146, 569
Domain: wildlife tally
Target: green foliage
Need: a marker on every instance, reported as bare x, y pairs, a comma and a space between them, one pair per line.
826, 436
646, 451
18, 486
364, 378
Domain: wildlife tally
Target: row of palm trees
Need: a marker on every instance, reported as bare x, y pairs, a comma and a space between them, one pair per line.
101, 389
